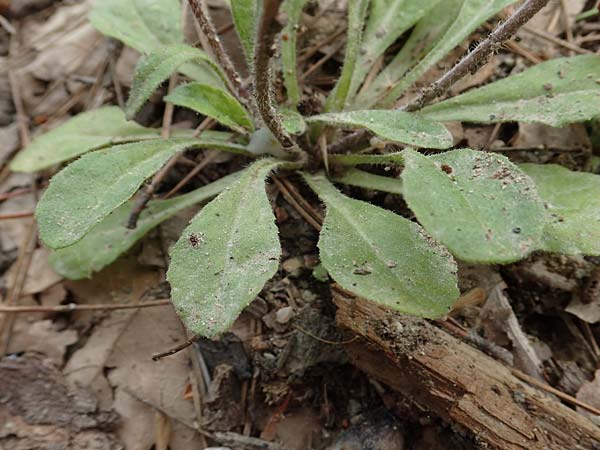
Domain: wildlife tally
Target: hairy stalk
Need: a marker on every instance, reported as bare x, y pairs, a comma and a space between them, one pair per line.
200, 11
262, 80
469, 64
478, 57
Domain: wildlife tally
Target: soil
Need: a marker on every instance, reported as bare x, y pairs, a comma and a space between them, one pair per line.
282, 377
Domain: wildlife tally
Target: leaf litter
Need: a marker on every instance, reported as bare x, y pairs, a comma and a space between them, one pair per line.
301, 392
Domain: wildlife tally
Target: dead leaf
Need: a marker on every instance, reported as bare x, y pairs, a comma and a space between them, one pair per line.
138, 379
588, 312
125, 66
54, 295
13, 232
590, 394
570, 138
551, 19
7, 111
500, 323
40, 275
21, 8
42, 336
40, 410
53, 50
162, 431
9, 136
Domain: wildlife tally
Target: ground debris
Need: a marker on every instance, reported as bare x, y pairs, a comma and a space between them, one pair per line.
40, 409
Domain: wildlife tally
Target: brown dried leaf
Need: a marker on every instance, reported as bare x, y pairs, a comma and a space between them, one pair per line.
590, 394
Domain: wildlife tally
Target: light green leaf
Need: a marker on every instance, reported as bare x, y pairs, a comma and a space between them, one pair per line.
293, 9
245, 13
388, 20
357, 11
86, 131
155, 68
472, 14
212, 102
353, 159
141, 24
383, 257
572, 200
395, 126
109, 239
424, 36
480, 205
89, 189
360, 178
555, 93
292, 121
226, 254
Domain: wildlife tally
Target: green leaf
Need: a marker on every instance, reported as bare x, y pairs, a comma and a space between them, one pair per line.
245, 13
572, 200
357, 11
226, 254
292, 121
212, 102
86, 131
424, 36
109, 239
360, 178
383, 257
472, 14
555, 93
388, 20
395, 126
353, 159
89, 189
155, 68
293, 9
480, 205
141, 24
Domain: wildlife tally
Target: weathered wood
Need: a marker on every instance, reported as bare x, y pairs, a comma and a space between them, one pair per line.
459, 383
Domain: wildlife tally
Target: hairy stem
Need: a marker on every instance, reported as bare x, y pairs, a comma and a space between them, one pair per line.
262, 79
478, 57
200, 11
469, 64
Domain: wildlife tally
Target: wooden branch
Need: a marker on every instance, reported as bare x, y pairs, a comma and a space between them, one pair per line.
457, 382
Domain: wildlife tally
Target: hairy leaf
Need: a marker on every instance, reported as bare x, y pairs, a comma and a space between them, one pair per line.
424, 36
395, 126
155, 68
480, 205
212, 102
141, 24
367, 180
472, 14
555, 93
226, 254
357, 11
293, 9
353, 159
292, 121
89, 189
388, 20
109, 239
244, 14
86, 131
572, 200
382, 256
